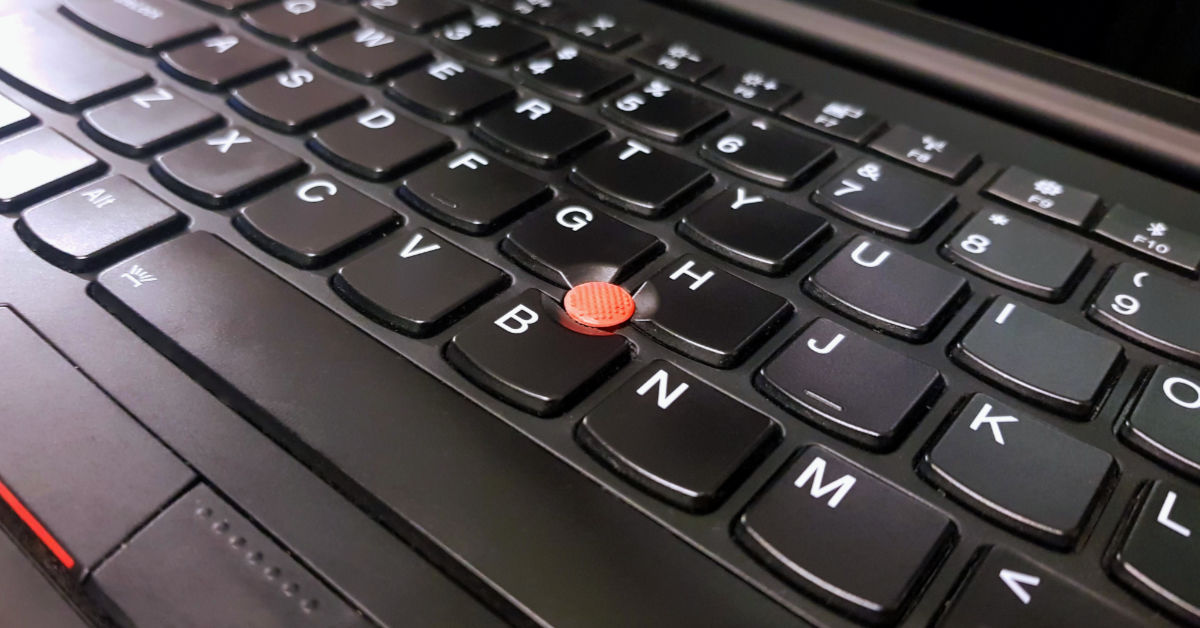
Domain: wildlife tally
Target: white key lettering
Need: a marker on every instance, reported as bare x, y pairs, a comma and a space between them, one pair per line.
445, 69
159, 94
377, 119
227, 141
815, 471
1164, 516
472, 160
305, 192
574, 217
517, 320
411, 248
534, 108
634, 147
857, 256
686, 269
221, 44
665, 397
992, 421
1170, 385
744, 199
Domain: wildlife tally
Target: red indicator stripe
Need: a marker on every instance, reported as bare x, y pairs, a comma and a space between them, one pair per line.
38, 529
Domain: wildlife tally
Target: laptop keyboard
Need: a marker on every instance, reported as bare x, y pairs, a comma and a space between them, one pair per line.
872, 372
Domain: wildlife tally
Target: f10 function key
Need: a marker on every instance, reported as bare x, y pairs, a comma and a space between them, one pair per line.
1174, 247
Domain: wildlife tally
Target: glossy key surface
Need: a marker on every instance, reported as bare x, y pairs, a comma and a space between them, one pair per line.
59, 67
314, 220
1039, 357
850, 384
847, 557
147, 121
39, 163
707, 313
676, 436
417, 282
1019, 470
96, 224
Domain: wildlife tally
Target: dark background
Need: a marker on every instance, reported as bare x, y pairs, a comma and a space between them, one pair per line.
1153, 40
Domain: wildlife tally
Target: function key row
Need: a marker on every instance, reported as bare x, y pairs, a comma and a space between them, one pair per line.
1123, 227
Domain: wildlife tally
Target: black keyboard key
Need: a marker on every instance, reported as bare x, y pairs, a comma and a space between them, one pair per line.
569, 244
378, 417
414, 16
751, 230
1044, 196
298, 22
220, 62
928, 152
1018, 253
83, 469
472, 193
752, 87
1150, 309
677, 437
488, 40
601, 30
224, 168
13, 117
1019, 471
638, 178
147, 121
663, 112
1005, 588
417, 283
40, 163
30, 598
59, 69
313, 221
448, 92
706, 313
245, 569
821, 374
677, 59
888, 289
368, 54
561, 363
143, 26
1039, 357
1174, 247
843, 120
886, 198
1159, 549
538, 132
377, 144
848, 555
767, 152
1164, 419
294, 100
97, 224
570, 75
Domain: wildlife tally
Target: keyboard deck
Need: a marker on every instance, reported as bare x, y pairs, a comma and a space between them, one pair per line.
303, 264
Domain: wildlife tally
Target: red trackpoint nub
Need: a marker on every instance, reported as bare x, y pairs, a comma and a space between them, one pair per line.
599, 304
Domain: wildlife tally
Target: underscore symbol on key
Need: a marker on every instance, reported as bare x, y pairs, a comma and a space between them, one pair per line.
1017, 581
138, 276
